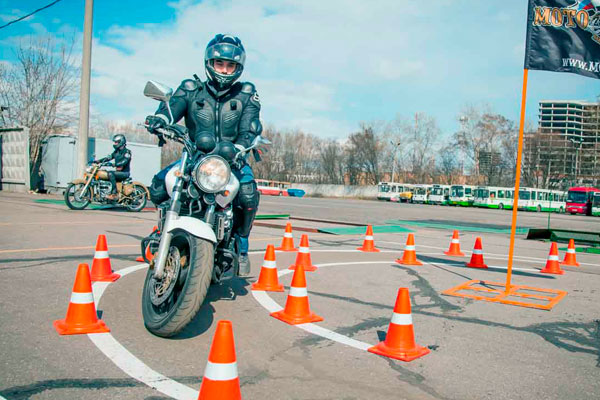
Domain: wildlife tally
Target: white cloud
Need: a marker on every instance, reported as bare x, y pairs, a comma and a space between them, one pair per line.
299, 54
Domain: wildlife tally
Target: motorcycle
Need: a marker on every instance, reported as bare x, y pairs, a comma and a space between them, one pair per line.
194, 244
96, 186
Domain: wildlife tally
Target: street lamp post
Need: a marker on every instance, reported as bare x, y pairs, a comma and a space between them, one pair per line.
396, 145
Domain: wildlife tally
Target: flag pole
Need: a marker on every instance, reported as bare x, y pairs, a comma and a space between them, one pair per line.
513, 227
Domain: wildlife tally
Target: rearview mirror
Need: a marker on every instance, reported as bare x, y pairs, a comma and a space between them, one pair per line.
158, 91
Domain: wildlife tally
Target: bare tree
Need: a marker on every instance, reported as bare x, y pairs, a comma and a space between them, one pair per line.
487, 140
39, 89
362, 160
331, 160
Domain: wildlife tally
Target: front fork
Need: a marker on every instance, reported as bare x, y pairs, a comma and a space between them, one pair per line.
173, 213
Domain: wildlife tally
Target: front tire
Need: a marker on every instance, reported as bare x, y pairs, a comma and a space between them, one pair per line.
190, 286
75, 201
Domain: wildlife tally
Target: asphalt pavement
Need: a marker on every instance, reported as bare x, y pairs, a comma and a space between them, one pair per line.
478, 349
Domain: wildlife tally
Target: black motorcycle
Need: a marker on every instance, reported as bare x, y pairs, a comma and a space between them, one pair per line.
194, 244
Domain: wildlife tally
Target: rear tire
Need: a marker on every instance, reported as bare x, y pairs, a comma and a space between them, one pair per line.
538, 208
73, 201
501, 206
183, 303
139, 199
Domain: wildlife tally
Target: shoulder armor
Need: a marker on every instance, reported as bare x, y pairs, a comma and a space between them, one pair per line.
248, 88
189, 85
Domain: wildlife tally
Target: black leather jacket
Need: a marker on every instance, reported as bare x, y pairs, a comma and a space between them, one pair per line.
122, 159
232, 116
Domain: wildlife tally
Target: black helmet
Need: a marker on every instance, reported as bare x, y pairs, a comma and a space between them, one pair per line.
119, 141
224, 47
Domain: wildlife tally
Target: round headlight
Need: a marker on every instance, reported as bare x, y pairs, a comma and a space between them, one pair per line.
212, 174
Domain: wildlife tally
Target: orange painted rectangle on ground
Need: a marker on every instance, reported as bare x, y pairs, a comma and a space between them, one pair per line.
518, 295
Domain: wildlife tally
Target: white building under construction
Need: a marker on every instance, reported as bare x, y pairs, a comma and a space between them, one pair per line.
565, 149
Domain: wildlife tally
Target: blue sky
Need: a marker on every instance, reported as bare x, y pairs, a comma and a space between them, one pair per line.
321, 66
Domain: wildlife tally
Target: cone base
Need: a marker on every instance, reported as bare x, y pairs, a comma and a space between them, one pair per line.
220, 389
452, 253
106, 278
568, 264
267, 287
307, 268
415, 262
368, 249
550, 271
471, 265
286, 249
63, 328
140, 259
403, 355
295, 320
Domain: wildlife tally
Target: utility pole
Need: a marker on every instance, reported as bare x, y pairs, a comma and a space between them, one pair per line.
84, 96
396, 145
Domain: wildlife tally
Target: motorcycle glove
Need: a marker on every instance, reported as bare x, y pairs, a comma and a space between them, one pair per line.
154, 123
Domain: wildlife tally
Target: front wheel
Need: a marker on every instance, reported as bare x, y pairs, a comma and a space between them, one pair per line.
75, 199
137, 199
170, 303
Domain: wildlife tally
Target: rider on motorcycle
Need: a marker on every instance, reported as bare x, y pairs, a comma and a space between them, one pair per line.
221, 109
122, 157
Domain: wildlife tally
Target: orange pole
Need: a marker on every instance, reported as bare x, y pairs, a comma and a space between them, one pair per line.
513, 227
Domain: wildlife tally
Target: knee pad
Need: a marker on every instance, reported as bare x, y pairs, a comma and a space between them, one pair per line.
248, 197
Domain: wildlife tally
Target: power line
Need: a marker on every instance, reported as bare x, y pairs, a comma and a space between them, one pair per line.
29, 15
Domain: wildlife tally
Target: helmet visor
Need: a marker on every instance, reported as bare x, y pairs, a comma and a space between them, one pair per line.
225, 51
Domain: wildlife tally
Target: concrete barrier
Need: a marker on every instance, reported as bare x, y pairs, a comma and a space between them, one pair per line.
316, 190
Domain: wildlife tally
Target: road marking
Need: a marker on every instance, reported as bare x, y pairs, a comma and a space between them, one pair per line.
65, 248
136, 369
100, 221
129, 363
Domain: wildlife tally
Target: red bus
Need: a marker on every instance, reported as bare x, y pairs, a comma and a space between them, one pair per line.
579, 200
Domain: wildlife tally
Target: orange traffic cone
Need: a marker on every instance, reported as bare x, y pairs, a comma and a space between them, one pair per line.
477, 256
81, 313
570, 257
552, 266
148, 254
400, 339
369, 243
454, 249
101, 268
220, 380
409, 257
287, 244
297, 309
267, 280
303, 257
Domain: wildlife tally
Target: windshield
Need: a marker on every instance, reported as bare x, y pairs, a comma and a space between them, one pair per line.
577, 197
437, 191
596, 201
524, 195
384, 188
457, 191
421, 191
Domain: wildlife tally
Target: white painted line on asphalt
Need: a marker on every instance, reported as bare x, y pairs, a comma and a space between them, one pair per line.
129, 363
135, 368
489, 255
139, 371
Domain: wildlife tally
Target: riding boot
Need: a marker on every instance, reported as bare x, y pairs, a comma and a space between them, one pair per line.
243, 260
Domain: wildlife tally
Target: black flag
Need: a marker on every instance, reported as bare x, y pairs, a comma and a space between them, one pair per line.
564, 36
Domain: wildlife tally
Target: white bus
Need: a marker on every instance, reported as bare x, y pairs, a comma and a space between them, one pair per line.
493, 197
421, 194
461, 195
596, 205
439, 194
392, 191
532, 199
